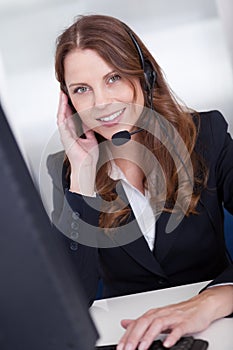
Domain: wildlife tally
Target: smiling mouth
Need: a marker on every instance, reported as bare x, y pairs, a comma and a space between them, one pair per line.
111, 117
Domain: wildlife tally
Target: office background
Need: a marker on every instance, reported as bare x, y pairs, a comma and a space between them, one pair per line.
190, 39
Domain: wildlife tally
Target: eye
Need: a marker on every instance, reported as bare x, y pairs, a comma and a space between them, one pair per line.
114, 78
80, 90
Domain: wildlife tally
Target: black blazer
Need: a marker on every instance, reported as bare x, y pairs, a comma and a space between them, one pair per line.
194, 251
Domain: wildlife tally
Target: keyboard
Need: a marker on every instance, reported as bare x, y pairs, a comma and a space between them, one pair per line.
185, 343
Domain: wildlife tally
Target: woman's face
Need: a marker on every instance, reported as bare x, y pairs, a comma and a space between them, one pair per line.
106, 102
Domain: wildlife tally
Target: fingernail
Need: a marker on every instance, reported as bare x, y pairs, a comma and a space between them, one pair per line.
129, 346
142, 345
167, 343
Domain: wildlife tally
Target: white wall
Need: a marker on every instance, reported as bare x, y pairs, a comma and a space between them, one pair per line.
192, 51
225, 10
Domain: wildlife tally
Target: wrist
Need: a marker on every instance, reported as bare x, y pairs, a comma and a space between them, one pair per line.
81, 184
219, 300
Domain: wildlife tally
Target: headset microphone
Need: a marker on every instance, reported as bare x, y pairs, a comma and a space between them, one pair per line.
121, 137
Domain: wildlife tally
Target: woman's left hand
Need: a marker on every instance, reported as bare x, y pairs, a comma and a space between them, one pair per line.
193, 315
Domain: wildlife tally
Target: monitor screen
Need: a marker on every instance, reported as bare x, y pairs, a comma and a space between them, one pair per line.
42, 305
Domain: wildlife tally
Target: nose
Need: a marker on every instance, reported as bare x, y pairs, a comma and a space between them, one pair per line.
102, 97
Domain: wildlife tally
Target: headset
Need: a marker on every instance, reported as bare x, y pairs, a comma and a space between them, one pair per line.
150, 78
150, 75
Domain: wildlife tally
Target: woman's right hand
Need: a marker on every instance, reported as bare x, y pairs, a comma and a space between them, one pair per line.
82, 153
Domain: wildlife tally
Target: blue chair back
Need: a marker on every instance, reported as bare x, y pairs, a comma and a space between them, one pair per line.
228, 229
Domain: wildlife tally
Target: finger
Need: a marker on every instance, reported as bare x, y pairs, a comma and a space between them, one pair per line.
64, 110
88, 132
125, 343
134, 333
157, 327
176, 333
145, 333
125, 323
60, 112
129, 324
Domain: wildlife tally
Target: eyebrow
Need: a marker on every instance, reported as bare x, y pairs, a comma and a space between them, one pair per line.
74, 84
104, 77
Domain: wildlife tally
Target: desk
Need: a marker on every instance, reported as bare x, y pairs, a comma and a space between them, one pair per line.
107, 314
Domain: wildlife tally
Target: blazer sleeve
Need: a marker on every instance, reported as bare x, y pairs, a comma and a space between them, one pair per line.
223, 148
66, 222
224, 164
221, 152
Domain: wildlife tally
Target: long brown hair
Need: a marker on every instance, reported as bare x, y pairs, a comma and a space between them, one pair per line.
110, 38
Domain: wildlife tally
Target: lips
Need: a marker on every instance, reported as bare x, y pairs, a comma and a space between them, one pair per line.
111, 118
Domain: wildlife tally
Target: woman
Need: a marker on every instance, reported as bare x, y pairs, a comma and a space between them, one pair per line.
142, 186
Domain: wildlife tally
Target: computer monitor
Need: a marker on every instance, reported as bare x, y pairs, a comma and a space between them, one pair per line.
42, 304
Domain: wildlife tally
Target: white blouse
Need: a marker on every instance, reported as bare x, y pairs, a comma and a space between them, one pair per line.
140, 205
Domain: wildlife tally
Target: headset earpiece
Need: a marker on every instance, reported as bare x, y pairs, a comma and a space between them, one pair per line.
150, 76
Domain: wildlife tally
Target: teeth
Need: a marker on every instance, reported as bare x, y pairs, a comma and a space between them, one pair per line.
111, 117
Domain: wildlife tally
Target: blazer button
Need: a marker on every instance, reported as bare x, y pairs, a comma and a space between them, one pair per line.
74, 225
75, 215
73, 246
74, 235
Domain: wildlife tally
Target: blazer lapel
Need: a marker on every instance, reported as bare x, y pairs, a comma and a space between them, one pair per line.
163, 239
130, 238
142, 254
